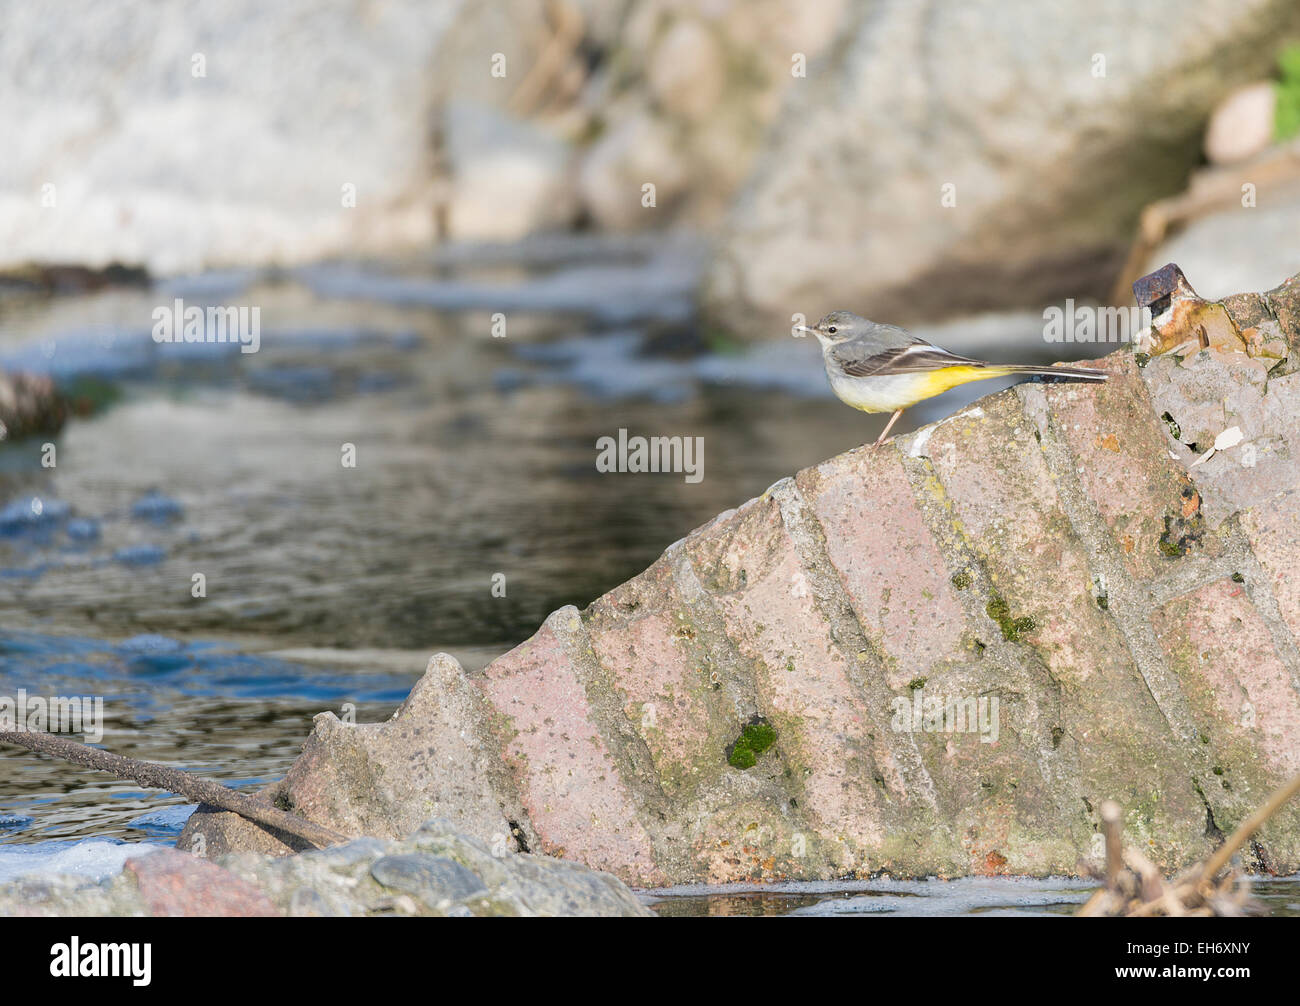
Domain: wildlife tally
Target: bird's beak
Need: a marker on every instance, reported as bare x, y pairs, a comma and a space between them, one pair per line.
805, 330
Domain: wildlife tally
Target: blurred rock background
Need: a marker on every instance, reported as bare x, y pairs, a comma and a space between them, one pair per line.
911, 161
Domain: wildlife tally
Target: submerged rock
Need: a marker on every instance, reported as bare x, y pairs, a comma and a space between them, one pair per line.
437, 871
29, 404
935, 657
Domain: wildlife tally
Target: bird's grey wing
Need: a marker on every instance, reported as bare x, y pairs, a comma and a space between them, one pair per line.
863, 359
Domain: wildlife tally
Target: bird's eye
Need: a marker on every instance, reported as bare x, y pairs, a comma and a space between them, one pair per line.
831, 330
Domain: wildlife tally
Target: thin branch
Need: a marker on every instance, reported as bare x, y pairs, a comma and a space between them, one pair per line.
1110, 818
173, 780
1248, 827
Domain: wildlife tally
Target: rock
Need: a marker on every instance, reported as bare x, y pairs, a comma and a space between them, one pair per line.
432, 879
191, 145
637, 152
683, 98
685, 71
1231, 248
171, 883
255, 135
305, 903
509, 178
1203, 226
68, 894
1241, 126
435, 757
804, 687
29, 405
247, 139
1049, 162
436, 871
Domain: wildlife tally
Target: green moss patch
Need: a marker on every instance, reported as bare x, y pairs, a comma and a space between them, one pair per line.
1012, 628
755, 737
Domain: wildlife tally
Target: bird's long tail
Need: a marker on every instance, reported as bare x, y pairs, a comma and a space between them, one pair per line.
1074, 373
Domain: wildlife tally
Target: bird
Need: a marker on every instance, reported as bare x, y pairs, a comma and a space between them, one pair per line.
884, 368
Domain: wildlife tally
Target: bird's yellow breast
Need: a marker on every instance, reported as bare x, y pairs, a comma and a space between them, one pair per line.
901, 391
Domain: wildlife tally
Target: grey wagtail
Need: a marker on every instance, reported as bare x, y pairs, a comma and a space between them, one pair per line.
882, 368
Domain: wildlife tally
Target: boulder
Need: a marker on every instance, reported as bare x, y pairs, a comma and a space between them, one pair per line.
509, 178
822, 133
1241, 126
206, 138
259, 135
911, 177
935, 657
682, 99
437, 871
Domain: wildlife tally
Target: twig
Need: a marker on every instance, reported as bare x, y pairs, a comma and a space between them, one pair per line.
173, 780
1247, 828
1110, 819
1135, 886
558, 50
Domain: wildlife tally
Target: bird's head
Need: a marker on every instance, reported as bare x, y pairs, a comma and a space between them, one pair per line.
838, 326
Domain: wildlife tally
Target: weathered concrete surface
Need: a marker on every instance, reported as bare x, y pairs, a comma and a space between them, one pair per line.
1052, 547
438, 871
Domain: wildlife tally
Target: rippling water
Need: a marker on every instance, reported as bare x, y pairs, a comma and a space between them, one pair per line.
240, 717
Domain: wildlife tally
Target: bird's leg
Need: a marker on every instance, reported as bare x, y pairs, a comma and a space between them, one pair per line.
888, 426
